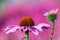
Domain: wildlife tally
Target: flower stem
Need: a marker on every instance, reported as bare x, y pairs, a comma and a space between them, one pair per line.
51, 37
26, 35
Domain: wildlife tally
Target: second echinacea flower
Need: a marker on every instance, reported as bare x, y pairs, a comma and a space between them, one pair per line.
51, 16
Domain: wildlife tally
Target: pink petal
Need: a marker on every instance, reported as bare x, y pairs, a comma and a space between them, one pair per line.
43, 24
45, 28
13, 29
34, 31
25, 28
7, 28
39, 26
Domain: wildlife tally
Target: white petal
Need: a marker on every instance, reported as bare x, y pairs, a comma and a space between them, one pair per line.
56, 10
13, 29
46, 14
34, 31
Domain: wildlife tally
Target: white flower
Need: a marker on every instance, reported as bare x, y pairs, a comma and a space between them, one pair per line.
51, 15
51, 12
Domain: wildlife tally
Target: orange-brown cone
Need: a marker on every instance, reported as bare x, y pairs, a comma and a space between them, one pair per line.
26, 21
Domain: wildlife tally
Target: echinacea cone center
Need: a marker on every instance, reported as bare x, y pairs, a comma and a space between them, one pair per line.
26, 21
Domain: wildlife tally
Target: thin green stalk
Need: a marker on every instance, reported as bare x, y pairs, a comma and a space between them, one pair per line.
26, 35
51, 37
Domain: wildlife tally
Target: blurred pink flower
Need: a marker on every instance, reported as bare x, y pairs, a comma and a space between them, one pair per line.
33, 29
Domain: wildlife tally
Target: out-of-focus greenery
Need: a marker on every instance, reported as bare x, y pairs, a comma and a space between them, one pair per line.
1, 1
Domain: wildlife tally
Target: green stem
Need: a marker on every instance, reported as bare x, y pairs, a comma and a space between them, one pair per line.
51, 37
26, 35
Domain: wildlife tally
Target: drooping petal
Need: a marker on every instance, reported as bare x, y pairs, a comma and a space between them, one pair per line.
7, 28
13, 29
34, 31
25, 29
43, 24
39, 26
44, 28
